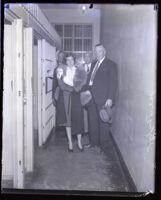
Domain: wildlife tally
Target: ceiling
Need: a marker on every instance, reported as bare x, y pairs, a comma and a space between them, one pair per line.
65, 6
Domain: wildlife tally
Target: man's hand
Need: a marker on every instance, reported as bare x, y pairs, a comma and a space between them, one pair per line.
109, 103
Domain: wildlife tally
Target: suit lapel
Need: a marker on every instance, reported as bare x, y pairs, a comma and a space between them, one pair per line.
101, 69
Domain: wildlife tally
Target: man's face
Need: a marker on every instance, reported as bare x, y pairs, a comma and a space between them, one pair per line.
60, 57
100, 52
87, 58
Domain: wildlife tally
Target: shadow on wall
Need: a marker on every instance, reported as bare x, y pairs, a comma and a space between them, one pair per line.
129, 34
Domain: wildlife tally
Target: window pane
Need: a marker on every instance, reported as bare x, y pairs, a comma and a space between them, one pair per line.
59, 29
78, 30
87, 30
62, 43
68, 31
87, 43
67, 44
77, 44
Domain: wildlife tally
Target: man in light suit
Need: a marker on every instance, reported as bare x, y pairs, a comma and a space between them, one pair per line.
102, 86
87, 62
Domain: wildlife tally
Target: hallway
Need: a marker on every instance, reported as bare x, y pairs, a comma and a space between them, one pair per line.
34, 155
56, 168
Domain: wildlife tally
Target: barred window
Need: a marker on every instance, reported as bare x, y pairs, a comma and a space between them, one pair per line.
76, 38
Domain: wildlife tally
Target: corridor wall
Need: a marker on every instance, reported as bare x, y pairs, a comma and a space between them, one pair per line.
129, 33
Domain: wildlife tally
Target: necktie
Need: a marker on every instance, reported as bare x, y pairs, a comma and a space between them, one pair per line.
88, 68
94, 73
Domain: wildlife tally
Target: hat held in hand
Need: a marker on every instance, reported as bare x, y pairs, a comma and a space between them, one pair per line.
106, 114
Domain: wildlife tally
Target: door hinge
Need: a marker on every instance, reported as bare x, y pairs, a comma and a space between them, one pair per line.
19, 93
12, 84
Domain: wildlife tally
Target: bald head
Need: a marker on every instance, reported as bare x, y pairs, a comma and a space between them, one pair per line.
88, 58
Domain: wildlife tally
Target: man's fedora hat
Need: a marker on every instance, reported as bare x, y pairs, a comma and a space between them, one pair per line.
106, 114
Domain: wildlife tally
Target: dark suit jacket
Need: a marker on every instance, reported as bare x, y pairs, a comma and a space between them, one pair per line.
105, 82
60, 108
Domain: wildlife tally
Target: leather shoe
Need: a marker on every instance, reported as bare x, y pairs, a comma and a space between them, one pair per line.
87, 146
80, 149
70, 150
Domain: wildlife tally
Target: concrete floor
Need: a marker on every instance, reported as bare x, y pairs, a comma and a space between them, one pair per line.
92, 170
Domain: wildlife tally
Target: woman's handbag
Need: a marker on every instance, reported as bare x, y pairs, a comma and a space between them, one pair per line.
106, 114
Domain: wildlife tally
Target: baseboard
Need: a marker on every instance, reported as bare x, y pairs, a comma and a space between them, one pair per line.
7, 177
48, 138
126, 172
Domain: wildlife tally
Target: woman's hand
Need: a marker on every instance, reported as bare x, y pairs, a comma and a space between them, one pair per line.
59, 73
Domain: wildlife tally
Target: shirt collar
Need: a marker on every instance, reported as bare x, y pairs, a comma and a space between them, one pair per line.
89, 64
101, 60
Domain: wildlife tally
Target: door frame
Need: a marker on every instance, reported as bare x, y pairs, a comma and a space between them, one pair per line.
40, 139
17, 58
28, 100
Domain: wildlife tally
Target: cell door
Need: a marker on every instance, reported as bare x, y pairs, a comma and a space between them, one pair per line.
46, 110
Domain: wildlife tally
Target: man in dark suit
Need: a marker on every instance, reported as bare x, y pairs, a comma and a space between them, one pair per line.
102, 86
60, 61
87, 67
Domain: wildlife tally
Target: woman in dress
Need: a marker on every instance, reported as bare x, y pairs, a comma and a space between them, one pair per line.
71, 116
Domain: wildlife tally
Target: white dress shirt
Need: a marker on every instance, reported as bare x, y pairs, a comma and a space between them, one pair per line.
87, 67
70, 72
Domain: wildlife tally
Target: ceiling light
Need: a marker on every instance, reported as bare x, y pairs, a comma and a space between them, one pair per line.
84, 8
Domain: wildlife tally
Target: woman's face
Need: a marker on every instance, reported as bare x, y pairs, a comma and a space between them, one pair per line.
70, 61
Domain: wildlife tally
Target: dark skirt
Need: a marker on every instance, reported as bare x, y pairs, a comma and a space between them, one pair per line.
69, 112
67, 103
77, 121
63, 109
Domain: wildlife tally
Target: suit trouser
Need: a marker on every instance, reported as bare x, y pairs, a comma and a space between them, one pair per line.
85, 116
98, 130
93, 123
103, 130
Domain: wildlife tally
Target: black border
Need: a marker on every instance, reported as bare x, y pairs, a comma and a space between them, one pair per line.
39, 194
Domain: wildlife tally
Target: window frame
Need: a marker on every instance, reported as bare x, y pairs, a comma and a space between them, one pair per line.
63, 37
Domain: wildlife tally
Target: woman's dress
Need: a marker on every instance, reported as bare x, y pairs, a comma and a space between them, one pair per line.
68, 105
